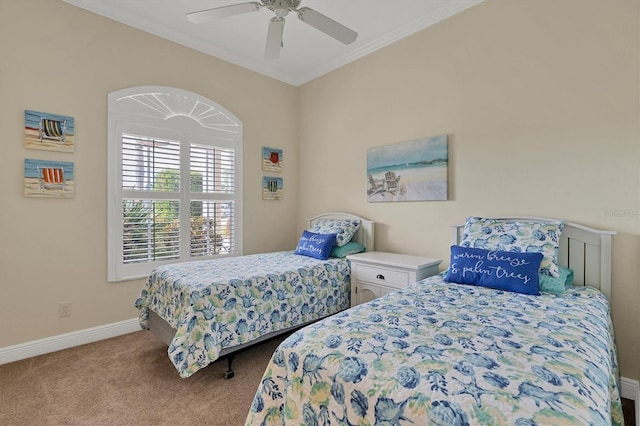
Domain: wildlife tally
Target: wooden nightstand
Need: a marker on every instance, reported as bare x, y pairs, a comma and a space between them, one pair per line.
377, 273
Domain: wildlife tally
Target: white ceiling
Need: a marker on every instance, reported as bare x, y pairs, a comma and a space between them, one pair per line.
307, 53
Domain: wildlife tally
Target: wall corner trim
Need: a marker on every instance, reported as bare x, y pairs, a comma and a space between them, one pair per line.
65, 341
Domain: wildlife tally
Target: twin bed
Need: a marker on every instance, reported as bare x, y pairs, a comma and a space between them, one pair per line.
205, 310
436, 352
443, 353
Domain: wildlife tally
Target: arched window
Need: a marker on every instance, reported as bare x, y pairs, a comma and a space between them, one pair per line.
174, 173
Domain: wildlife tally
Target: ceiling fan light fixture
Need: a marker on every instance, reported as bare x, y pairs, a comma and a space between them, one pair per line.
281, 12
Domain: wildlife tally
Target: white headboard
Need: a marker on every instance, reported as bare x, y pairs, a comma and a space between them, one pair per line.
365, 234
585, 250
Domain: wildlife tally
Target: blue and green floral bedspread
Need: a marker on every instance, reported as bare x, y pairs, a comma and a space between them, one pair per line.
218, 304
438, 353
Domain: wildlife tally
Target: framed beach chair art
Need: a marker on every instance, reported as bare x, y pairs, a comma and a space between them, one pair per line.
272, 188
272, 159
50, 132
43, 178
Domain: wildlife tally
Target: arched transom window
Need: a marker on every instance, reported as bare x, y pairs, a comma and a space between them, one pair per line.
174, 180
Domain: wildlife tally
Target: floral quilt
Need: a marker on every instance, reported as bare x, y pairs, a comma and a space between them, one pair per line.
438, 353
218, 304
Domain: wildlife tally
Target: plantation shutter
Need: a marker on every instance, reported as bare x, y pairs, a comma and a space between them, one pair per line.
212, 174
151, 209
150, 227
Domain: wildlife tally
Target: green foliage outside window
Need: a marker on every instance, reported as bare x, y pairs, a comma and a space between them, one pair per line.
151, 228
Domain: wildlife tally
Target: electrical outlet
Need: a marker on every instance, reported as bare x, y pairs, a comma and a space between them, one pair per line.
65, 309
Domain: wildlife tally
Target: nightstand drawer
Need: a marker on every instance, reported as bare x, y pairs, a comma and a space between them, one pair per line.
375, 274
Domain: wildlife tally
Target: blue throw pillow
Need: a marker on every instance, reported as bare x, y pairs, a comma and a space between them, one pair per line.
502, 270
315, 245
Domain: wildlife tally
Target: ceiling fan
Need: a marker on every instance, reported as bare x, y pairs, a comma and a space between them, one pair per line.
276, 26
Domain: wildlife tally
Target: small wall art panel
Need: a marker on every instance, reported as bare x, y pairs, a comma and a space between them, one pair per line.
44, 178
272, 159
272, 188
408, 171
50, 132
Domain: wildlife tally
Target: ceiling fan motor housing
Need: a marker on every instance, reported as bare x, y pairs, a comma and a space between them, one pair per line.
281, 7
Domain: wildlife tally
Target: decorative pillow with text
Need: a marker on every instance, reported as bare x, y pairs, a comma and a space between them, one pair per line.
315, 245
502, 270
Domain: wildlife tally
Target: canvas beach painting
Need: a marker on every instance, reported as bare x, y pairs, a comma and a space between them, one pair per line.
408, 171
272, 188
50, 132
272, 159
43, 178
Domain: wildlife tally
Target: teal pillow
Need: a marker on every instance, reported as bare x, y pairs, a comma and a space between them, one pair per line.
557, 285
350, 248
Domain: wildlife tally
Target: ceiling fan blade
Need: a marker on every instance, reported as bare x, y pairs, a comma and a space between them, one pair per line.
223, 12
327, 25
274, 38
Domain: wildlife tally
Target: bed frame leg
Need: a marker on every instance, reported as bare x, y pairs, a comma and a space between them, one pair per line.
230, 373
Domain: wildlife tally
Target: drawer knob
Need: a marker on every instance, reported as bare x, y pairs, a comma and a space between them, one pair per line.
380, 277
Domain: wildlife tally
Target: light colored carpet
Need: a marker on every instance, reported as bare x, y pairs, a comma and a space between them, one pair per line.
127, 380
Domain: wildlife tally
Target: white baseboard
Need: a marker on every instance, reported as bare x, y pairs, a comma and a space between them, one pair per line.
630, 389
66, 341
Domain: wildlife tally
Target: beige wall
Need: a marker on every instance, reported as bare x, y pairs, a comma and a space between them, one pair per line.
61, 59
540, 100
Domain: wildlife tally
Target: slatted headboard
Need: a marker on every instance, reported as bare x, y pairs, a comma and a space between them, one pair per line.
585, 250
365, 234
